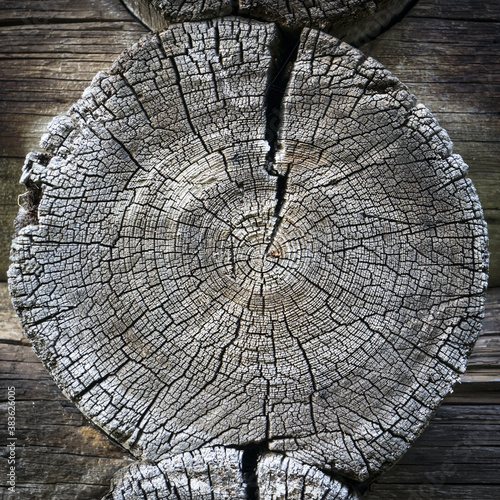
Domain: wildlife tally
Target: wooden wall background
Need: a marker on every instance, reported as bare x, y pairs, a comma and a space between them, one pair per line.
446, 51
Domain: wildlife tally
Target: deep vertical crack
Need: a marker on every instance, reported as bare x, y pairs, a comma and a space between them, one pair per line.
285, 54
249, 468
281, 187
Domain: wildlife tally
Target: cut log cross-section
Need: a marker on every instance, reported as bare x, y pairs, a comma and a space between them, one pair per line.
203, 295
353, 21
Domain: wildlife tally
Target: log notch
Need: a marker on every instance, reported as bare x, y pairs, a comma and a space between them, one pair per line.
346, 268
354, 21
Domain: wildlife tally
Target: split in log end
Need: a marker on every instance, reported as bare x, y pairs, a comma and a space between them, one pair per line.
218, 473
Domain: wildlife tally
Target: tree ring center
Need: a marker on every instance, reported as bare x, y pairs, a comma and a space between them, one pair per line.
261, 259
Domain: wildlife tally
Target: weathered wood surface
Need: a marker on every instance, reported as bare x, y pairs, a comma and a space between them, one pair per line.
443, 50
60, 455
318, 289
218, 473
50, 51
354, 21
447, 54
460, 29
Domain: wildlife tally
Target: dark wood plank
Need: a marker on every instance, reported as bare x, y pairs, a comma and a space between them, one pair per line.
58, 454
457, 456
485, 357
432, 491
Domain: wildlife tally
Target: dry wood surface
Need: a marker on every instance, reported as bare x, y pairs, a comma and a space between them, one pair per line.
445, 52
473, 403
355, 21
189, 283
60, 455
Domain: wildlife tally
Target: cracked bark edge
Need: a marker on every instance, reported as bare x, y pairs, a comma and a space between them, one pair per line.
333, 345
353, 21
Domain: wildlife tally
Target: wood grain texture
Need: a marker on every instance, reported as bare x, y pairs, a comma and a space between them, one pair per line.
460, 25
281, 478
50, 52
189, 283
353, 21
60, 455
206, 474
432, 50
446, 52
217, 474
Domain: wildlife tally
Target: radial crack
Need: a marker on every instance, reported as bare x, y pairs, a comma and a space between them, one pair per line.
249, 468
284, 59
281, 187
285, 54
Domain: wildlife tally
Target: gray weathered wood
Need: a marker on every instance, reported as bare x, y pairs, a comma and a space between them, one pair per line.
58, 453
281, 478
217, 473
189, 284
61, 456
417, 50
443, 50
208, 474
354, 21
